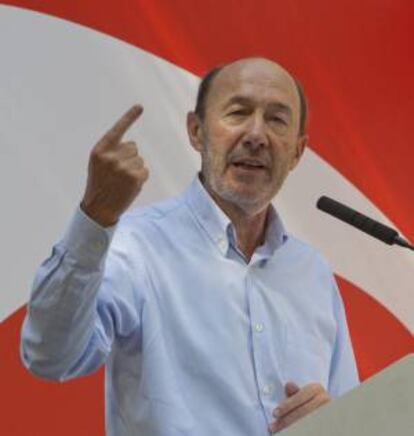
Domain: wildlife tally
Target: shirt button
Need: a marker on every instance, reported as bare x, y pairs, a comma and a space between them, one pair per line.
98, 245
267, 389
222, 244
258, 327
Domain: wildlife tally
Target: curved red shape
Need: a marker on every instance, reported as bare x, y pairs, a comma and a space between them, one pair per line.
378, 337
351, 56
35, 407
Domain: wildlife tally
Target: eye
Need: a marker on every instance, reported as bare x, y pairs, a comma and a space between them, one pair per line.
278, 120
238, 112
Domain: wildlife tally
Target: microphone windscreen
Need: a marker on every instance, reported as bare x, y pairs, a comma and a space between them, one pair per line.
358, 220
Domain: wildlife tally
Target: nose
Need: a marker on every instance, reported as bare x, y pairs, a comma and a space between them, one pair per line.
255, 136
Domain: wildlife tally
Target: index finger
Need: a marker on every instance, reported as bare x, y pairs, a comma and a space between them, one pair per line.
115, 133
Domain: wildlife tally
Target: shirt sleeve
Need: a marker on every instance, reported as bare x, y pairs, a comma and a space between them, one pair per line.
80, 301
343, 373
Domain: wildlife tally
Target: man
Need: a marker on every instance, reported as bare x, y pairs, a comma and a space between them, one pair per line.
210, 318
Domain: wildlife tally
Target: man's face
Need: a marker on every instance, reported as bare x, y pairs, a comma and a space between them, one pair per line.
249, 137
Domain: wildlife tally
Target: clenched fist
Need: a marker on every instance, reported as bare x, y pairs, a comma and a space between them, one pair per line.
116, 173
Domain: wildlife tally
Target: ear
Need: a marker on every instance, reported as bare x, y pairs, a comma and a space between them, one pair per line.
301, 144
195, 131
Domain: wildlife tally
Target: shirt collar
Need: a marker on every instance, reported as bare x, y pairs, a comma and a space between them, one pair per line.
219, 227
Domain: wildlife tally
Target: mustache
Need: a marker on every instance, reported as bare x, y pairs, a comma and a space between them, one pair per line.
260, 158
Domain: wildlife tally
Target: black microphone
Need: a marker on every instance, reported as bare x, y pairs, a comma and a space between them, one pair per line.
362, 222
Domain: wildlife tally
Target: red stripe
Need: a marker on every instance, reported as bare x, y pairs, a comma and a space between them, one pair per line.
378, 338
35, 407
352, 57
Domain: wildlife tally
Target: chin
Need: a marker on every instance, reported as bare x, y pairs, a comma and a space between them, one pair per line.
249, 201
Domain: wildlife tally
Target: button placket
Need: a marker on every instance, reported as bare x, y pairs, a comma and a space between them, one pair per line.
267, 372
258, 341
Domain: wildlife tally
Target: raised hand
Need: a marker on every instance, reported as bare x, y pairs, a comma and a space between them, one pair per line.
116, 173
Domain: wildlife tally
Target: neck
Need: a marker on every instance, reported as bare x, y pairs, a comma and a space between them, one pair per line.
250, 231
250, 226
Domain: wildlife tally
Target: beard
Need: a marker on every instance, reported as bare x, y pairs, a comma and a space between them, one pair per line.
243, 191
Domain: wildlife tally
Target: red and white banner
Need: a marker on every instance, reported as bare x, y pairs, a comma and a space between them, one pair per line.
70, 68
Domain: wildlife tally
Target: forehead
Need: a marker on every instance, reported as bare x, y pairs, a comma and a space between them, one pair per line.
259, 80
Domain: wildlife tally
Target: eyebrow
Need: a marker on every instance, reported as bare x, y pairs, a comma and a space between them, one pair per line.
276, 106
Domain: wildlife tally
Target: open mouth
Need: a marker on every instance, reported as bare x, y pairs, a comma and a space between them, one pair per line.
249, 166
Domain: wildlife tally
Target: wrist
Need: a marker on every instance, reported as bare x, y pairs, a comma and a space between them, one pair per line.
100, 216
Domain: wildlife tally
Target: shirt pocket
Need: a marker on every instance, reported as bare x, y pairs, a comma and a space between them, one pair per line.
307, 359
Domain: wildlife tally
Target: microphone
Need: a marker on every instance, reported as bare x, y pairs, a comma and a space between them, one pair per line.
368, 225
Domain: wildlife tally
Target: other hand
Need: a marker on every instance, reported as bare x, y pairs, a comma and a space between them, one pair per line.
299, 402
116, 173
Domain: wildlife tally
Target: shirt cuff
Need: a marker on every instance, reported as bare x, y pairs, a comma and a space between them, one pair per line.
86, 240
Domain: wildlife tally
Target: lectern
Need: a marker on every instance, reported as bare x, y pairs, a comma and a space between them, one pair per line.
381, 406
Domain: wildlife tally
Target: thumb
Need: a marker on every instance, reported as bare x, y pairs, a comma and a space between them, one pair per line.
291, 388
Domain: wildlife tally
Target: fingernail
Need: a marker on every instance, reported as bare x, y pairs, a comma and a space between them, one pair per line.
276, 412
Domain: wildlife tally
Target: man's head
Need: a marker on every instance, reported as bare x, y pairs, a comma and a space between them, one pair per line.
249, 126
206, 83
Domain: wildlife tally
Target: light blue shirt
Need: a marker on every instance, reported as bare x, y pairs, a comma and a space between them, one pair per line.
196, 340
